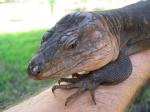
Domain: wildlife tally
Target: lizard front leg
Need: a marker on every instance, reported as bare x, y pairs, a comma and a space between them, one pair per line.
113, 72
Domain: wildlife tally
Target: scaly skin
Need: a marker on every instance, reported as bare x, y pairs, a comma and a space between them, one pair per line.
87, 41
75, 44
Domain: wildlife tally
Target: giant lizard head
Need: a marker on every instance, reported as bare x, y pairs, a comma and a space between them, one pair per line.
78, 43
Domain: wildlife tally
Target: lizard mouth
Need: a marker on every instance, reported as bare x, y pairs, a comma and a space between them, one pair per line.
36, 73
57, 76
81, 66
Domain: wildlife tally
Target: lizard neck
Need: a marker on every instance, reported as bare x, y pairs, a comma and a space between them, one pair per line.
112, 25
135, 27
129, 25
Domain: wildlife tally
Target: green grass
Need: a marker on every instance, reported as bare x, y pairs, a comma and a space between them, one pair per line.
15, 52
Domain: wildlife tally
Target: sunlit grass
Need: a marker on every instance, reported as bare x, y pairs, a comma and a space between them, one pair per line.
15, 52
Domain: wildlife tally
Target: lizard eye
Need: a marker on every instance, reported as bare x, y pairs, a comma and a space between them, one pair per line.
69, 42
72, 45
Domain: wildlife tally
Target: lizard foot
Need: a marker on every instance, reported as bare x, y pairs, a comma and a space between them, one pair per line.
83, 85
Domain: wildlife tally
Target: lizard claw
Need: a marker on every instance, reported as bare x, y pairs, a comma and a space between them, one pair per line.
78, 93
54, 88
83, 85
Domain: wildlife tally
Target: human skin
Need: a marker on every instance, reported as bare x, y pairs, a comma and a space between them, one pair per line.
109, 98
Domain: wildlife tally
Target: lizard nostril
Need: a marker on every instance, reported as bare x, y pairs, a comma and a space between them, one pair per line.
36, 70
35, 66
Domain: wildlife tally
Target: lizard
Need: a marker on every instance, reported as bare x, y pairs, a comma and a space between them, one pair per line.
94, 47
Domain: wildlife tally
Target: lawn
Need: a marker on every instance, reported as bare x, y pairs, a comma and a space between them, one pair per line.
16, 50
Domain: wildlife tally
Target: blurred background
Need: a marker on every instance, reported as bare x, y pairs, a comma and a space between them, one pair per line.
22, 24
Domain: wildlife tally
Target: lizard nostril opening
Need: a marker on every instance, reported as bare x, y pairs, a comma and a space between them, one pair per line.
36, 69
